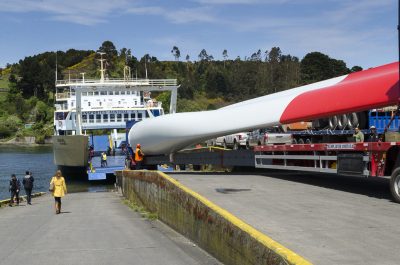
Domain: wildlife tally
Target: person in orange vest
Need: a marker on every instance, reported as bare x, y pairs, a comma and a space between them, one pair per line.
138, 157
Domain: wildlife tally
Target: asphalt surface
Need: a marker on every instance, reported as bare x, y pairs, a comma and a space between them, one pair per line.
327, 219
93, 228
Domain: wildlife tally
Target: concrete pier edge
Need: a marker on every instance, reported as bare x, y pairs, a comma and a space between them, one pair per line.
22, 198
216, 230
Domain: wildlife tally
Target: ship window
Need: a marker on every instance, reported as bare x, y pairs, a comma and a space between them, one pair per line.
72, 103
90, 93
84, 118
112, 117
96, 93
126, 116
119, 117
116, 92
91, 118
119, 102
98, 117
100, 103
105, 118
140, 116
133, 116
122, 92
103, 93
135, 102
84, 93
128, 92
88, 103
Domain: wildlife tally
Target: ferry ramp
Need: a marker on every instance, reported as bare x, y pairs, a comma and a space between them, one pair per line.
93, 228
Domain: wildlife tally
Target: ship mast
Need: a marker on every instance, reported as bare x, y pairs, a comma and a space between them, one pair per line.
102, 70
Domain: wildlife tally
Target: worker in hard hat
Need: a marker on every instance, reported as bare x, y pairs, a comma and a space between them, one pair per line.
373, 135
138, 157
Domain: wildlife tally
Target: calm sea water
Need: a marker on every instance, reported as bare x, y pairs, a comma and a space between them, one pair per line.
18, 159
39, 159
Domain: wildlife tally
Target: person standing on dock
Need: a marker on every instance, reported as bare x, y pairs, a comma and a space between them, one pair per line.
103, 159
138, 157
59, 189
28, 186
15, 186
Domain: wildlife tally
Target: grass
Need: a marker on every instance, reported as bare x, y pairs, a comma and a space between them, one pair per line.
140, 209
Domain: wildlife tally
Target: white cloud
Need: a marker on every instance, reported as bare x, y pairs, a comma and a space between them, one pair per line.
84, 12
177, 16
240, 2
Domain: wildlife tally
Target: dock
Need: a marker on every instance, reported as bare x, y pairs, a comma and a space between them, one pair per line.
326, 219
93, 228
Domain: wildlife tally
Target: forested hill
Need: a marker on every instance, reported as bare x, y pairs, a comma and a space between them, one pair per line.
27, 88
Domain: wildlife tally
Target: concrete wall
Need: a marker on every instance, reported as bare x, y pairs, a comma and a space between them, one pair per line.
214, 229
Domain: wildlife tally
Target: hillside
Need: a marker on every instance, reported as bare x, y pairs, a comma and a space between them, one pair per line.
28, 87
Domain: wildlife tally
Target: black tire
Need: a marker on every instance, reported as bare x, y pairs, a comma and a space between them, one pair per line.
395, 185
294, 141
308, 141
300, 141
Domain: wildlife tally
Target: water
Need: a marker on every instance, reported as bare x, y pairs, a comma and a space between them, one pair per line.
39, 159
18, 159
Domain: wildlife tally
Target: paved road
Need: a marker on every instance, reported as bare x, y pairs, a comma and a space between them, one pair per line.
329, 220
94, 228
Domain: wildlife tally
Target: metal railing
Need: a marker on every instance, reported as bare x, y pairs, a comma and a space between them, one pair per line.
111, 81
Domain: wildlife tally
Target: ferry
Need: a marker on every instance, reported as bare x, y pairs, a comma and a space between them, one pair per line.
98, 104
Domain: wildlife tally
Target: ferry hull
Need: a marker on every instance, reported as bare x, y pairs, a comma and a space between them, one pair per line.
71, 155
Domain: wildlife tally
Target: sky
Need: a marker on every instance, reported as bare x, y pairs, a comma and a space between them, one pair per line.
359, 32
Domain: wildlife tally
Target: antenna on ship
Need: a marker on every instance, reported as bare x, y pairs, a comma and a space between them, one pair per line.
102, 70
145, 66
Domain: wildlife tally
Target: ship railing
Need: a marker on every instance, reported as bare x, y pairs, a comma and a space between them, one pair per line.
62, 95
153, 104
127, 82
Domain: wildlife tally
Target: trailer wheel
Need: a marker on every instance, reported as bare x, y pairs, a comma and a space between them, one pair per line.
395, 185
294, 141
300, 141
308, 141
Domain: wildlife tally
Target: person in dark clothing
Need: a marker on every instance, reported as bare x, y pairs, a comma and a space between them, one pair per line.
28, 185
15, 186
373, 136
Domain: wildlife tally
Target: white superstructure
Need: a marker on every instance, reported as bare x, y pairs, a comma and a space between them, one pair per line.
105, 103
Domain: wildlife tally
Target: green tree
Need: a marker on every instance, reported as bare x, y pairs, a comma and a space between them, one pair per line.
356, 68
317, 66
176, 53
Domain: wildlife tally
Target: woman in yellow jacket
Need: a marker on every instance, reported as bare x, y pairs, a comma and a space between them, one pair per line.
59, 189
